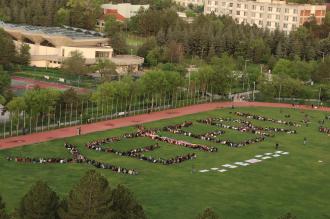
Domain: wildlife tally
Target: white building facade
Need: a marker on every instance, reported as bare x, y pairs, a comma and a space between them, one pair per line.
267, 13
186, 3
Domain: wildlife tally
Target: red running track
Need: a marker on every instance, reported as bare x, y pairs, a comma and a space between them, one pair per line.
134, 120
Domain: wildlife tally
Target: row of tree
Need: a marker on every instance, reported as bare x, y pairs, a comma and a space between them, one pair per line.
91, 197
209, 35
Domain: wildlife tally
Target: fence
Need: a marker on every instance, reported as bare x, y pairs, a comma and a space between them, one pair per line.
85, 112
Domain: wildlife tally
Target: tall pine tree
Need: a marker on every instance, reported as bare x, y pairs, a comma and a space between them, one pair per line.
41, 202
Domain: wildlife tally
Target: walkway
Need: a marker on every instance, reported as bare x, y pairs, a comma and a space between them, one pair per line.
134, 120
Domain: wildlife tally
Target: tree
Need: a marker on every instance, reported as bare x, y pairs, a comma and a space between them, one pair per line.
75, 64
83, 13
106, 68
112, 26
90, 198
67, 98
104, 93
118, 43
7, 49
41, 202
16, 105
24, 56
40, 101
208, 213
62, 17
3, 214
124, 205
322, 73
4, 82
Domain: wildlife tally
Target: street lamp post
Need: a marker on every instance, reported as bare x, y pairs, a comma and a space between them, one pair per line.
254, 89
320, 96
279, 93
245, 61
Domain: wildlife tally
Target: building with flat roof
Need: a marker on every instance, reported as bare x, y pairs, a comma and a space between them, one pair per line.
267, 13
50, 46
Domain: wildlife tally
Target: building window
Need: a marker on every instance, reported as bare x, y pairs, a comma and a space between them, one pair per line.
294, 19
269, 23
254, 7
277, 24
223, 3
286, 18
270, 9
262, 8
295, 11
287, 10
294, 26
253, 14
238, 12
278, 9
260, 15
246, 6
245, 13
260, 23
216, 2
277, 17
238, 5
100, 54
230, 4
269, 16
285, 25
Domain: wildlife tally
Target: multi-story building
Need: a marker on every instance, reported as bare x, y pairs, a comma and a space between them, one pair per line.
50, 46
186, 3
267, 13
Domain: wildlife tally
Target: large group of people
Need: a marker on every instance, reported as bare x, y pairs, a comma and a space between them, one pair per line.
137, 152
246, 126
324, 130
211, 136
263, 118
77, 157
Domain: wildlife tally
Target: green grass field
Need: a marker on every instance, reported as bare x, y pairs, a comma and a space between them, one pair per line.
296, 183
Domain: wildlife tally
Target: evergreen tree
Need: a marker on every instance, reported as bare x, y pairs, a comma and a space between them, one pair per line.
124, 205
89, 199
24, 56
7, 49
41, 202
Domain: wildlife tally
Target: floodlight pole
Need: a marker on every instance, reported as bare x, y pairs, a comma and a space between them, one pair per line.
320, 96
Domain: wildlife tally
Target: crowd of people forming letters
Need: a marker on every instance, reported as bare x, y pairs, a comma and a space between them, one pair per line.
76, 157
263, 118
138, 153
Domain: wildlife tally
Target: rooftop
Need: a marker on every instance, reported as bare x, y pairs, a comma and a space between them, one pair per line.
66, 31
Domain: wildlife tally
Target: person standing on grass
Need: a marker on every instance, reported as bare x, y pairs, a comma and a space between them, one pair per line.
79, 131
277, 145
305, 140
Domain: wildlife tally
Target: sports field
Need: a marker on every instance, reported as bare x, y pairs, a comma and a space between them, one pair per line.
296, 182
